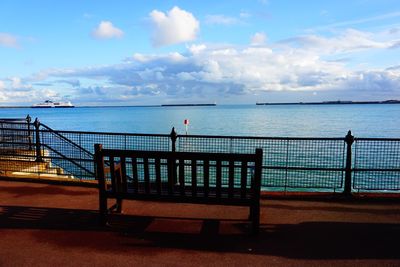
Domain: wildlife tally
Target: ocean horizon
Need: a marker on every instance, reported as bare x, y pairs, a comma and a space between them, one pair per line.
367, 120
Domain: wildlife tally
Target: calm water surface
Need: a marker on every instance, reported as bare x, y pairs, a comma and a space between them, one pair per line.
250, 120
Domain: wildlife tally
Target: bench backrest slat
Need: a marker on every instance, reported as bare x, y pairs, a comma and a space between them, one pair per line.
112, 173
218, 178
188, 174
231, 178
171, 179
243, 177
135, 175
146, 175
194, 177
124, 181
182, 177
206, 177
158, 175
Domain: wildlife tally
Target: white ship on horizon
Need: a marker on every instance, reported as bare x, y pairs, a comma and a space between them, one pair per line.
51, 104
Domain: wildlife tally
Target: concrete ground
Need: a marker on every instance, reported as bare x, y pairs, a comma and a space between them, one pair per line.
53, 225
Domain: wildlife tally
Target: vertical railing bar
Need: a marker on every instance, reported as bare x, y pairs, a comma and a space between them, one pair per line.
286, 164
349, 139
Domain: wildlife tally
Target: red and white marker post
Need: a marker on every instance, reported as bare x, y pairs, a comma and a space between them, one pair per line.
186, 122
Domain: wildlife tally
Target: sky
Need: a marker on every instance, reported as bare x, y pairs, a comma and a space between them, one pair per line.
119, 52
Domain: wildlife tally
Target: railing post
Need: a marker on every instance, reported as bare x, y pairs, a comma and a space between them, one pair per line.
173, 136
349, 139
28, 121
37, 132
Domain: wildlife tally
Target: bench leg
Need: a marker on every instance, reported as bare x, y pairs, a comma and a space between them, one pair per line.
103, 210
251, 213
119, 205
255, 218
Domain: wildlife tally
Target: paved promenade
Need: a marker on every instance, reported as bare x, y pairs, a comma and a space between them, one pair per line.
52, 225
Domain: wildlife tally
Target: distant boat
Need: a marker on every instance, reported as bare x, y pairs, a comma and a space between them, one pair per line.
189, 105
51, 104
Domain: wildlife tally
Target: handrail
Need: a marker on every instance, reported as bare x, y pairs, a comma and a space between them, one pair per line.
69, 159
67, 139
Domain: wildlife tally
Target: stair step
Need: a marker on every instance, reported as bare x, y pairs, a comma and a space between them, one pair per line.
36, 175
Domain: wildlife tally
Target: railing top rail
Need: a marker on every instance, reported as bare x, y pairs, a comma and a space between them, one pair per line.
108, 133
202, 136
375, 139
15, 122
263, 137
13, 119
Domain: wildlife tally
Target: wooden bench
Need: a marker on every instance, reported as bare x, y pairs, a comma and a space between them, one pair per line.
183, 177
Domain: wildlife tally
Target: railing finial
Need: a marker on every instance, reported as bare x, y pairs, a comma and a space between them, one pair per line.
349, 138
173, 136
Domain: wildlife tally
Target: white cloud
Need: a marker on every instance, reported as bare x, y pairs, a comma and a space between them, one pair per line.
174, 27
349, 23
259, 38
220, 20
348, 41
2, 85
106, 30
195, 49
8, 40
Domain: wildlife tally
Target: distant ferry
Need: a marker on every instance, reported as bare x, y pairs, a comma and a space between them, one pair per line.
51, 104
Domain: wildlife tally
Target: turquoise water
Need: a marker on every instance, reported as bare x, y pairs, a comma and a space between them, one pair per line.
249, 120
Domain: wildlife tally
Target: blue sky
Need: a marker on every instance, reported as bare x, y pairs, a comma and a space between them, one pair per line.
157, 52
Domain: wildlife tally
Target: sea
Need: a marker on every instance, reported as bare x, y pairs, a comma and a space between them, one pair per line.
364, 120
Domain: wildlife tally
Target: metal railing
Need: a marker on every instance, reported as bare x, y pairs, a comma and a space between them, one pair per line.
342, 165
376, 164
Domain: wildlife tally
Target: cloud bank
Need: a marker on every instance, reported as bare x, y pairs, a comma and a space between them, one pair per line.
306, 63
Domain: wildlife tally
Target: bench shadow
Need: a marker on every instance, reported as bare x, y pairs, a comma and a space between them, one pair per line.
130, 234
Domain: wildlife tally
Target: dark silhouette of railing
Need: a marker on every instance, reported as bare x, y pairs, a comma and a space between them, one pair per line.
342, 165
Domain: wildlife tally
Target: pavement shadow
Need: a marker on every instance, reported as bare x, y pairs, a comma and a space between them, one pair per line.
43, 190
130, 234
